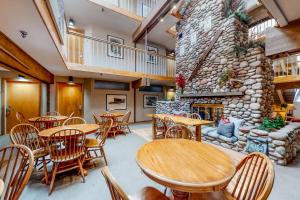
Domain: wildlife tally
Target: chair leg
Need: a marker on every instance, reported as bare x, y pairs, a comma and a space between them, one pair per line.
81, 169
103, 154
45, 170
54, 170
128, 128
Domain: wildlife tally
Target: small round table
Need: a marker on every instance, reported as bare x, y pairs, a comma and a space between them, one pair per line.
57, 118
185, 166
86, 128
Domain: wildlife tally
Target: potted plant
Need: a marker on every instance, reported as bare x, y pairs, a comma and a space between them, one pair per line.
180, 81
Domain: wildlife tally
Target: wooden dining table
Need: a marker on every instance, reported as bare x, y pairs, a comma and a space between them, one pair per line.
57, 118
197, 123
114, 116
185, 166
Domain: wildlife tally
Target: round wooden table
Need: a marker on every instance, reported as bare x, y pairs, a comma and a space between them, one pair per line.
185, 166
57, 118
112, 115
86, 128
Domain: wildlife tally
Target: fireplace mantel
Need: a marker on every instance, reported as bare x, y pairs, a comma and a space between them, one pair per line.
213, 94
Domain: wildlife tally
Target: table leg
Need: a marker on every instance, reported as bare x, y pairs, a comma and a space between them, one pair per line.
178, 195
198, 133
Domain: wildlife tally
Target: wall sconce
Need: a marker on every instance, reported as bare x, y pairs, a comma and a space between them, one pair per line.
71, 22
71, 80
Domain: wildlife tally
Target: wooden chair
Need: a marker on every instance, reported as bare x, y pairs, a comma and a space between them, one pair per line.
15, 169
169, 122
28, 135
158, 128
117, 193
179, 131
53, 113
66, 146
124, 123
115, 127
46, 122
195, 116
21, 118
74, 120
253, 180
93, 145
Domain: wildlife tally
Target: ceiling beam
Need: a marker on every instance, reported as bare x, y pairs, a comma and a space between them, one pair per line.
16, 59
275, 10
160, 10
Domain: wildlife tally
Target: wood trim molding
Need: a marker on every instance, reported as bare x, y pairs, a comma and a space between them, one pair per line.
275, 11
15, 58
103, 70
117, 10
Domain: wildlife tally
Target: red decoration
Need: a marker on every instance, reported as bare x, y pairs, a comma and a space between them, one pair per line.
180, 81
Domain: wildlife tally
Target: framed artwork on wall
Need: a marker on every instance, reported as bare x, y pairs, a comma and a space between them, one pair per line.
150, 101
115, 51
151, 58
116, 102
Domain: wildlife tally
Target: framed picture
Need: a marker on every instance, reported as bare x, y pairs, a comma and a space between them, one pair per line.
116, 102
152, 59
150, 101
115, 50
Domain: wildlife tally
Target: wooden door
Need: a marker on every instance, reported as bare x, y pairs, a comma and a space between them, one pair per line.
69, 99
22, 97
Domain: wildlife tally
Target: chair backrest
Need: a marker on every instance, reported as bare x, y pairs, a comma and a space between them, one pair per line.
97, 119
74, 120
169, 122
53, 113
20, 117
158, 126
254, 178
46, 122
179, 131
71, 115
105, 130
195, 116
66, 145
116, 191
126, 117
16, 167
27, 135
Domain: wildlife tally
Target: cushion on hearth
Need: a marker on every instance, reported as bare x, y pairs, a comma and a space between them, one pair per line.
226, 129
213, 134
205, 130
237, 124
232, 139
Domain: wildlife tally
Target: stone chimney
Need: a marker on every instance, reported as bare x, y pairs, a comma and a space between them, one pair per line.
251, 74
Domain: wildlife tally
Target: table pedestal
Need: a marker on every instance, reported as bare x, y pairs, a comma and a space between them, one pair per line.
178, 195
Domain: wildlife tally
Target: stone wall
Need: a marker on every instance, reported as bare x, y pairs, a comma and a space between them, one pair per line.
168, 107
201, 20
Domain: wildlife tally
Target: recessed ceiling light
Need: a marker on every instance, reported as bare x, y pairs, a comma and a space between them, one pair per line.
162, 19
71, 22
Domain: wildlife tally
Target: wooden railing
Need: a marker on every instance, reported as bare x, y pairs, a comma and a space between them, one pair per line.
258, 31
287, 66
91, 51
139, 7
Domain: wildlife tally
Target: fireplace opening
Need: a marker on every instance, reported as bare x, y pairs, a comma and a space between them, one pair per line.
211, 112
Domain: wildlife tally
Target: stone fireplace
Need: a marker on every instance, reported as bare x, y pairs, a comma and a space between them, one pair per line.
250, 94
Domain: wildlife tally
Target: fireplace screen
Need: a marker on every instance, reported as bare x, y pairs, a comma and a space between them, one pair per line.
211, 112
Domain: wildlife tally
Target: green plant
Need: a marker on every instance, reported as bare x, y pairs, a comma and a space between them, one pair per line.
225, 76
268, 124
242, 49
243, 17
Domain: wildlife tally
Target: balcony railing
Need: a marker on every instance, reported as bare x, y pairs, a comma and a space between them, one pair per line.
139, 7
287, 66
91, 51
258, 31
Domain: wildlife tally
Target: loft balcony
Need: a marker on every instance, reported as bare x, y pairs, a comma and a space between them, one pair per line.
86, 53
